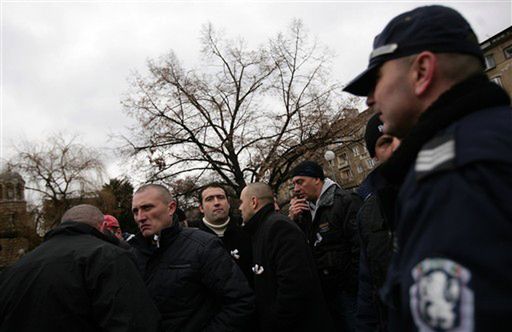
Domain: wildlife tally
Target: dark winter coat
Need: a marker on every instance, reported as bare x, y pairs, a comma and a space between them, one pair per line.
376, 249
453, 269
238, 244
194, 282
288, 294
334, 241
75, 281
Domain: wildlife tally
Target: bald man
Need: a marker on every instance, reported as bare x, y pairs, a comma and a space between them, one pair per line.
288, 294
77, 279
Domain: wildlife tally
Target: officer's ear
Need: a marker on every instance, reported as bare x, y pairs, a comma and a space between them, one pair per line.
423, 69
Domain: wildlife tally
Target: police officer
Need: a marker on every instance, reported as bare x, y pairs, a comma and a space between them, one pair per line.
453, 268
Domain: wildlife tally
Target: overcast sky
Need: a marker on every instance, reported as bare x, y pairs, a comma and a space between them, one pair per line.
65, 64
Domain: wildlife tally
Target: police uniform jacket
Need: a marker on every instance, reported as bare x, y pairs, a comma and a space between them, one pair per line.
453, 270
76, 280
288, 294
194, 282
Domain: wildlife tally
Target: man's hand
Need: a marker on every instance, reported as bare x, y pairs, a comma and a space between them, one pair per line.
297, 206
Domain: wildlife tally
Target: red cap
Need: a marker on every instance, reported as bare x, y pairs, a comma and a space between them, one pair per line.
110, 221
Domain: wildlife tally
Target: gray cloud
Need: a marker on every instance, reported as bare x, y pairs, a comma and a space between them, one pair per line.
65, 65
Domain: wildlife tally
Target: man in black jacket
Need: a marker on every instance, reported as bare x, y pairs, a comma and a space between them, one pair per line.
452, 270
76, 280
332, 237
190, 276
288, 294
214, 204
375, 232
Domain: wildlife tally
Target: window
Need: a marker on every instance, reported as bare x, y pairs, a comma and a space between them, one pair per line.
360, 168
10, 192
508, 52
370, 162
489, 61
346, 174
497, 80
355, 150
11, 220
342, 160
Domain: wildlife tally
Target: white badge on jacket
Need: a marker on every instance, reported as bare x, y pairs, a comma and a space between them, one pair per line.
257, 269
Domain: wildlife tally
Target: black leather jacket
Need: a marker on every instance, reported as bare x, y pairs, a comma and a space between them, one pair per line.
194, 282
334, 240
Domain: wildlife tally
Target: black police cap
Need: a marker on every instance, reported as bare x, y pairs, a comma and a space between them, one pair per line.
437, 29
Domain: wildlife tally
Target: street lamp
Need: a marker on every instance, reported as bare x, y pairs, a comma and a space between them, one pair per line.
329, 156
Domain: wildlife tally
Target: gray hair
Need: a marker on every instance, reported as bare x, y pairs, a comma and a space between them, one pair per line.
84, 213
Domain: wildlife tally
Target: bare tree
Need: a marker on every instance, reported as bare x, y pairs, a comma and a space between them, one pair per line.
61, 171
248, 115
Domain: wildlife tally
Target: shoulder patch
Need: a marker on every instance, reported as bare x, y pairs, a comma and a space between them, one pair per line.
440, 298
436, 155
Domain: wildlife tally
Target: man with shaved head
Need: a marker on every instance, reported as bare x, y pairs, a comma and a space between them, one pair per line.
77, 279
288, 294
190, 276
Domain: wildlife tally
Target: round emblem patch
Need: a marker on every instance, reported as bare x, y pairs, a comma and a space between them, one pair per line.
440, 298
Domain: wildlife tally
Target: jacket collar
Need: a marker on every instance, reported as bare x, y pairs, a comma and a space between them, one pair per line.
162, 240
72, 228
474, 94
326, 197
254, 223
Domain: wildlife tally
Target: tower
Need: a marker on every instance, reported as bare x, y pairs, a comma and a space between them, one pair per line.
13, 217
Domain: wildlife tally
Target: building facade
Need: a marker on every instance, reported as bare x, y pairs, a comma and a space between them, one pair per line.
498, 58
352, 163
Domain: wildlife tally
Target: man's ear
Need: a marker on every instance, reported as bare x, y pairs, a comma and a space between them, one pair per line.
101, 225
172, 207
254, 202
201, 208
423, 69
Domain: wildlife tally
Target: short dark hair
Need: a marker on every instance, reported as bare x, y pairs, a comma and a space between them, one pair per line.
164, 192
210, 185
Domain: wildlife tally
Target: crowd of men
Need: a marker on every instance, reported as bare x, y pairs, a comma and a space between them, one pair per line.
425, 244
